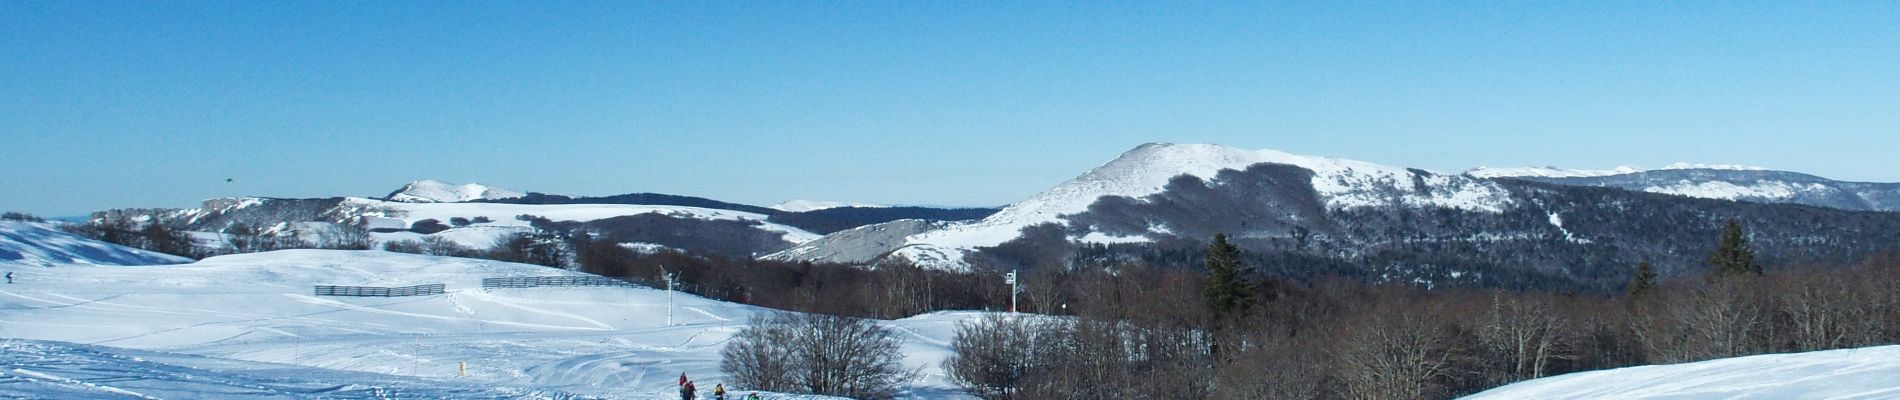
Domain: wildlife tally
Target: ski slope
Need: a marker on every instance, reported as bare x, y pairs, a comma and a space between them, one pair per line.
58, 370
41, 244
1866, 373
259, 308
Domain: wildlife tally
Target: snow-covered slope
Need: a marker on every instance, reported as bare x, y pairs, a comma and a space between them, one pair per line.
1866, 373
1723, 182
503, 217
1340, 184
613, 342
59, 370
431, 191
42, 244
814, 205
474, 225
1555, 172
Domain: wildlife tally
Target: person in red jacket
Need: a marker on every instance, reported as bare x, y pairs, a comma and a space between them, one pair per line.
682, 379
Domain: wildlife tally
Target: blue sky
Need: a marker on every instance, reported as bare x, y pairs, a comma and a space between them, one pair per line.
156, 104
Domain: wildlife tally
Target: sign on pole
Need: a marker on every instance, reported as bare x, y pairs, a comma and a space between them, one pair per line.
1011, 279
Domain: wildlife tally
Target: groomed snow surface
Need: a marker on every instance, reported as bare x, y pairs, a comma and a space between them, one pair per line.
42, 244
248, 326
1851, 374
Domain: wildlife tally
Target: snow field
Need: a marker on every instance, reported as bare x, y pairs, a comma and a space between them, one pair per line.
611, 342
1849, 374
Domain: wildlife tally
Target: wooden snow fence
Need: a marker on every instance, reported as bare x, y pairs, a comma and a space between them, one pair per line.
375, 291
522, 282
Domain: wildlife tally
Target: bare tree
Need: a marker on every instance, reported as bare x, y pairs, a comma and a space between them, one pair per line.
994, 356
1395, 354
439, 246
761, 356
347, 237
818, 354
1527, 333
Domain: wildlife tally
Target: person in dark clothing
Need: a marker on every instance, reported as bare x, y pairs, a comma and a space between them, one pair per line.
688, 392
9, 277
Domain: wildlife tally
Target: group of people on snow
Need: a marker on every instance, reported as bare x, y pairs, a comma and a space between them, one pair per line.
689, 392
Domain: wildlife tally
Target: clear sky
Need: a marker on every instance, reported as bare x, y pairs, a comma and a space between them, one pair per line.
157, 103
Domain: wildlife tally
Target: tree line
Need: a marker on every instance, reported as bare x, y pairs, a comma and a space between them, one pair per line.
1138, 331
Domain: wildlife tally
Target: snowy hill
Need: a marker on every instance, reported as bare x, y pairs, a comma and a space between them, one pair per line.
612, 342
503, 219
42, 244
814, 205
430, 191
478, 224
1743, 184
1723, 182
1867, 373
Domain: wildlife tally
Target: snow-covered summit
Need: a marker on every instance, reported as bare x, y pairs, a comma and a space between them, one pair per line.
800, 205
41, 244
432, 191
1146, 169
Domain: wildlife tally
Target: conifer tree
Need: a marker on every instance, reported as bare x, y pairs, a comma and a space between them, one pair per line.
1228, 291
1734, 256
1644, 280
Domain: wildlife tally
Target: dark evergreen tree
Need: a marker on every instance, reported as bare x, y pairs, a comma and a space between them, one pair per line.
1734, 256
1229, 292
1643, 281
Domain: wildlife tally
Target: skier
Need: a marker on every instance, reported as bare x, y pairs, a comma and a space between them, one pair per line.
719, 392
682, 379
753, 396
9, 277
687, 392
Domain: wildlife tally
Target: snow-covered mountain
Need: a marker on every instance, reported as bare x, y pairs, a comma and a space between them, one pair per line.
1865, 373
1149, 168
1547, 172
1309, 216
431, 191
1724, 182
41, 244
1556, 172
814, 205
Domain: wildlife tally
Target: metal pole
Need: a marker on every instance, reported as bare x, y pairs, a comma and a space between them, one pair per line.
669, 294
